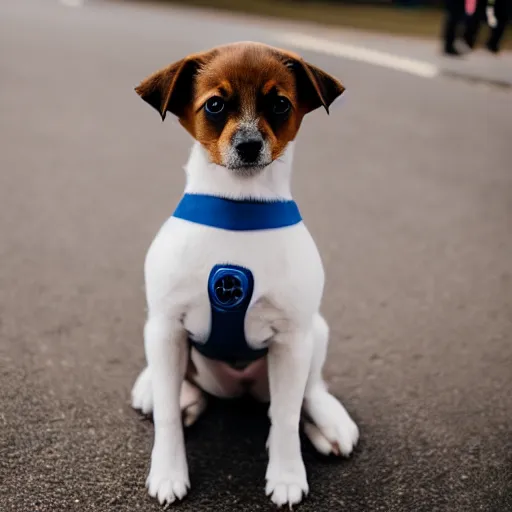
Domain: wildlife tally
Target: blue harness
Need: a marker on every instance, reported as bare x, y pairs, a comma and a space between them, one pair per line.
230, 287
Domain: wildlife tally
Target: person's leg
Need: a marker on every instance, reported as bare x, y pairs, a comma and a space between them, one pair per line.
473, 23
454, 17
450, 26
502, 13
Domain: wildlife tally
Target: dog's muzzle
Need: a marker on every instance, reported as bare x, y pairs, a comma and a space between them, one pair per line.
248, 150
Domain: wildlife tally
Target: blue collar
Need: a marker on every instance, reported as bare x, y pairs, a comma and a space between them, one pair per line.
237, 215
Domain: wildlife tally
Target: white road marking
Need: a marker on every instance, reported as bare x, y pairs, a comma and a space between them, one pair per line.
359, 53
72, 3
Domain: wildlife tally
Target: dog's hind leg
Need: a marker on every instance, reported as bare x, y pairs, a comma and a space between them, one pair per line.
192, 399
192, 403
327, 424
142, 394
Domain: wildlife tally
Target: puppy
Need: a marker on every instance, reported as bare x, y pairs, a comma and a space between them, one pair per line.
234, 280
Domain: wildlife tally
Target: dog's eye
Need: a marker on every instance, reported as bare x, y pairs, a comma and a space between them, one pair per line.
214, 106
281, 105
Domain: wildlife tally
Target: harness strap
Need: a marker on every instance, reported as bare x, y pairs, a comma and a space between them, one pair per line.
230, 290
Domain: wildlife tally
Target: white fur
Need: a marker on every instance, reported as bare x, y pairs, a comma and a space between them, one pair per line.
289, 281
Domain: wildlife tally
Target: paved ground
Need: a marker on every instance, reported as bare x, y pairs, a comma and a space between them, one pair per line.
408, 190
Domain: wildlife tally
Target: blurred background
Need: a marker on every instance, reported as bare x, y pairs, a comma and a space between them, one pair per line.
409, 17
406, 188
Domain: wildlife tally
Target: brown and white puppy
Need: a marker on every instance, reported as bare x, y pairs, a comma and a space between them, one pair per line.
243, 103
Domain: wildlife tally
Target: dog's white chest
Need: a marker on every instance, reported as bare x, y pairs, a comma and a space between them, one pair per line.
287, 270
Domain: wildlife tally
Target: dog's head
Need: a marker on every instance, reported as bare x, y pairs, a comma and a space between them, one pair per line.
243, 102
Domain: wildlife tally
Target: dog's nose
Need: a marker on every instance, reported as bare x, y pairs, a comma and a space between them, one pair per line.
249, 151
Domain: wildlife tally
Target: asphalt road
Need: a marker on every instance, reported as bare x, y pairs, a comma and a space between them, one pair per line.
407, 189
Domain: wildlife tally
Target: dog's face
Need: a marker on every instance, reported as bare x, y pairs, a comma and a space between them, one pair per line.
243, 102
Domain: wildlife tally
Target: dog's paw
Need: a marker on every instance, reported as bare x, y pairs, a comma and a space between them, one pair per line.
332, 430
167, 490
286, 478
286, 493
167, 482
142, 394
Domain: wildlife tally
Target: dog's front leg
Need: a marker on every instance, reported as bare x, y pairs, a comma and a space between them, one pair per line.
289, 360
166, 351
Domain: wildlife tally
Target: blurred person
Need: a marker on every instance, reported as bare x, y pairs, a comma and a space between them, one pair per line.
497, 14
455, 17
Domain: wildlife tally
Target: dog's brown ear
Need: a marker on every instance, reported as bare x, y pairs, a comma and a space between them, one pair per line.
171, 89
315, 88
